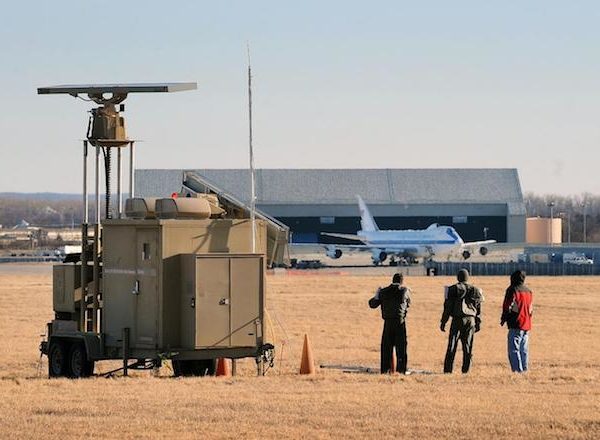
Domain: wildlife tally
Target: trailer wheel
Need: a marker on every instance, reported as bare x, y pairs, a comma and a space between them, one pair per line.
79, 364
57, 359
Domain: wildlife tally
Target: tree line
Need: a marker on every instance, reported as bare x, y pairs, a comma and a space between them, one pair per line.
64, 212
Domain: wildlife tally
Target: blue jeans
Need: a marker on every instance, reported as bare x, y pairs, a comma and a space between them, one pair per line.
518, 349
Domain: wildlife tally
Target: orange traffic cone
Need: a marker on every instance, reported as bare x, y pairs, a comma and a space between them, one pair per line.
307, 364
394, 363
223, 367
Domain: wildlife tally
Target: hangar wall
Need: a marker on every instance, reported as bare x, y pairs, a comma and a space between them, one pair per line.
479, 203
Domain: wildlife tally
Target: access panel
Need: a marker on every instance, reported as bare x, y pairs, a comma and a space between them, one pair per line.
222, 300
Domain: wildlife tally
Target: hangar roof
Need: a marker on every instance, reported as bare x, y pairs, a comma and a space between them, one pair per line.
326, 186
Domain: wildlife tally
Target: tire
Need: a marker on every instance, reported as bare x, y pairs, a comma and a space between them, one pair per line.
57, 359
79, 365
176, 367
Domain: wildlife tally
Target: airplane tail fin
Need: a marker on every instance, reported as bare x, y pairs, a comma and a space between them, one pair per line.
367, 222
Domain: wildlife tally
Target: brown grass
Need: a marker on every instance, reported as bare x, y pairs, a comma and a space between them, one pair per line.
560, 397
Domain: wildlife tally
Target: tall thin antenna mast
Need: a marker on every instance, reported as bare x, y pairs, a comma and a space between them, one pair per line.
252, 177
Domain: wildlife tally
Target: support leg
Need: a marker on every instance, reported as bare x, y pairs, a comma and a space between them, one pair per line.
125, 350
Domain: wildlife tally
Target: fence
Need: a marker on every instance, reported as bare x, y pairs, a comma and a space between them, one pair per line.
556, 269
30, 259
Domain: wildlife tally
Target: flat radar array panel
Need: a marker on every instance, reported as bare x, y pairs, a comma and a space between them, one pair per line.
95, 89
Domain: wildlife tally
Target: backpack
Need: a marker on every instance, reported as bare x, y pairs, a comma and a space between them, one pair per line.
466, 300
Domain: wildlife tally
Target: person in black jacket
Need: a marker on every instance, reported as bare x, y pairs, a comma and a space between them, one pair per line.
394, 301
463, 304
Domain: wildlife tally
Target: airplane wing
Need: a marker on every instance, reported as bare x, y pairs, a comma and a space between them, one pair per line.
345, 236
478, 243
349, 247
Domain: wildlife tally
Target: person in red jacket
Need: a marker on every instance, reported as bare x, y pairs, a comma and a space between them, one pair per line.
517, 310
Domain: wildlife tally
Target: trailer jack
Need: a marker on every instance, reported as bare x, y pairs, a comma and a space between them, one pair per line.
140, 364
265, 359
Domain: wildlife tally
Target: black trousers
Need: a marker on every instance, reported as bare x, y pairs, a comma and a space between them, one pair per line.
462, 329
394, 335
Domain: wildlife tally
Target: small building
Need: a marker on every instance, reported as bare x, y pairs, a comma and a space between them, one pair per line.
479, 203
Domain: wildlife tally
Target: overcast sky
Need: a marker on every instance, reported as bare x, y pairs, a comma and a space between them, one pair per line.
338, 84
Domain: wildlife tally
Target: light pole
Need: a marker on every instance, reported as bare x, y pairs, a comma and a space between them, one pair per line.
584, 205
551, 206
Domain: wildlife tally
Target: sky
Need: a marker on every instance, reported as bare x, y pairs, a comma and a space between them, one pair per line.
337, 84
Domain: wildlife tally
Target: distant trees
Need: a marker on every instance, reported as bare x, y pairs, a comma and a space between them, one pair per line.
51, 212
64, 212
39, 212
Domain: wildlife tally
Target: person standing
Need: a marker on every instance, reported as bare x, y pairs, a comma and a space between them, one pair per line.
394, 301
517, 310
463, 304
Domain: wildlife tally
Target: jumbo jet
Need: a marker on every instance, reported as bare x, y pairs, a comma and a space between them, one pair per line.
436, 240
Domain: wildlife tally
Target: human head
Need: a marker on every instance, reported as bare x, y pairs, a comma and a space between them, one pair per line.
462, 275
397, 278
517, 277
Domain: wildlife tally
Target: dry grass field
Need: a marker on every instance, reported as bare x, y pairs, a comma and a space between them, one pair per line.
559, 398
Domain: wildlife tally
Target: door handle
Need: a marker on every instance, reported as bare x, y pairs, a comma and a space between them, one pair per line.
136, 288
224, 301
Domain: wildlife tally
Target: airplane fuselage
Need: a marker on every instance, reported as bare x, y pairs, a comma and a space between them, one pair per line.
438, 241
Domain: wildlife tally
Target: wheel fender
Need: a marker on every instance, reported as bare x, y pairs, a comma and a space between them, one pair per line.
93, 346
90, 341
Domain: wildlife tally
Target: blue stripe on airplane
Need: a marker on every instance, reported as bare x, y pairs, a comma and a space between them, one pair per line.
422, 242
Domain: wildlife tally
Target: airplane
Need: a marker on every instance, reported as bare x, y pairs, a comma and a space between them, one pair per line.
436, 240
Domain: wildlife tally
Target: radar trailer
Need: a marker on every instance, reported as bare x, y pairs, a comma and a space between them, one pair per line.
174, 278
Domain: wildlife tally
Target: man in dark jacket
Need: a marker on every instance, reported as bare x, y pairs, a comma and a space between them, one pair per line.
517, 310
394, 301
463, 304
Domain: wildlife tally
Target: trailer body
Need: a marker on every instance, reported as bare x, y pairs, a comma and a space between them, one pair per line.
179, 289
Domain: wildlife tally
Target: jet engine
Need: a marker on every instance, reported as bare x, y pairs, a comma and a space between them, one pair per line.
483, 250
333, 253
378, 257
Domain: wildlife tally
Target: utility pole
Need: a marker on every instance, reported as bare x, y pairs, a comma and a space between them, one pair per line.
551, 206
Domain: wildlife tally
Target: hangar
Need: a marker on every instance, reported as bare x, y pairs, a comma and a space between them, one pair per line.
482, 203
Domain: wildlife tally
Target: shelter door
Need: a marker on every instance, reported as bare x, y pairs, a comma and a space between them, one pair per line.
212, 302
146, 289
245, 274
